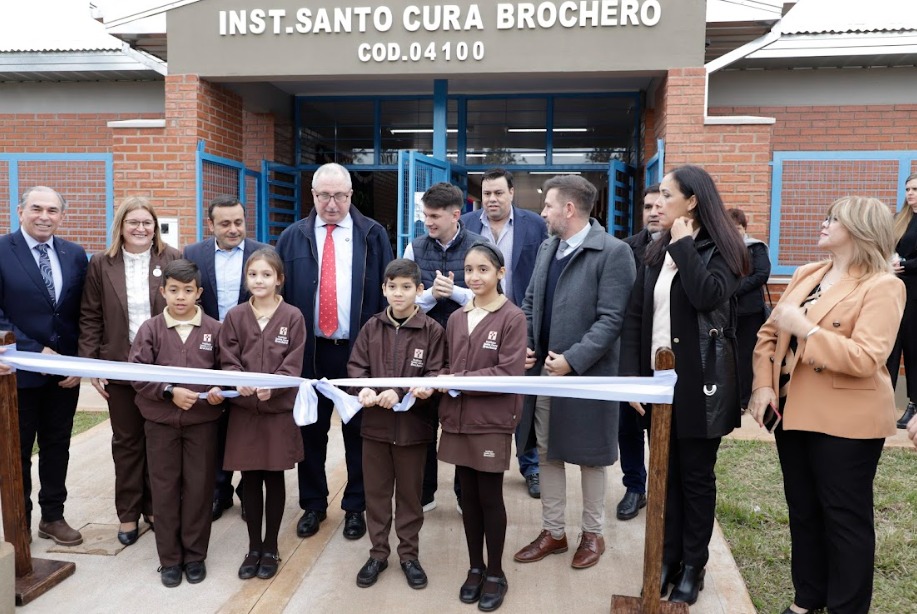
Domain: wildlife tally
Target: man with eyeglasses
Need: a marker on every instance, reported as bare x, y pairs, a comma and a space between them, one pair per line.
41, 283
334, 263
221, 261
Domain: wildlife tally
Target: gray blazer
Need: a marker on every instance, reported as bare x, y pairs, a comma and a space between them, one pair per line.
590, 301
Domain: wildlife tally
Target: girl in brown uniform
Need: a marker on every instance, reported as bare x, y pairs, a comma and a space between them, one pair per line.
264, 335
485, 338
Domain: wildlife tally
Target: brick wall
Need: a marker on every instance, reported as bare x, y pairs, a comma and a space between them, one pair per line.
827, 128
736, 155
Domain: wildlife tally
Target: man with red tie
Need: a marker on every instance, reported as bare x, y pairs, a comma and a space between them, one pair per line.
334, 263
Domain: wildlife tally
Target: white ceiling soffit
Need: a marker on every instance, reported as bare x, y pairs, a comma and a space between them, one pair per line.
52, 25
828, 45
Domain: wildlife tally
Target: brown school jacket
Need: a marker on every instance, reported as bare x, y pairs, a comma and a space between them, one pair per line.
156, 344
103, 311
414, 349
496, 347
261, 434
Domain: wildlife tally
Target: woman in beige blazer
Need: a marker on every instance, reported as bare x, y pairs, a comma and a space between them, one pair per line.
821, 358
121, 292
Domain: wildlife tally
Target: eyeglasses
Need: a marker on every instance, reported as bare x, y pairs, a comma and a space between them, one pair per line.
324, 197
137, 223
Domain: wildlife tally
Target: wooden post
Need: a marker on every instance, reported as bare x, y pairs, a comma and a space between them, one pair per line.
34, 577
661, 430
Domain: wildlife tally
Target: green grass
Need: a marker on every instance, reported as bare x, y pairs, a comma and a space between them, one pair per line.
82, 421
752, 512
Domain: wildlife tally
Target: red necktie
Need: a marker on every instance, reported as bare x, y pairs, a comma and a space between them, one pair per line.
327, 291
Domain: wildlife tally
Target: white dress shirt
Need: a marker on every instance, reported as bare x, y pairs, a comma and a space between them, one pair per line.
572, 243
343, 269
137, 276
56, 273
504, 242
227, 266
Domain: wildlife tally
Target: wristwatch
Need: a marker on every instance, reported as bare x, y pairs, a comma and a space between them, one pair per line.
167, 392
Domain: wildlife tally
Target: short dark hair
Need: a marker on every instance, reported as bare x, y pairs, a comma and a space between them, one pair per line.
497, 173
225, 200
651, 189
738, 216
402, 267
183, 271
575, 189
443, 196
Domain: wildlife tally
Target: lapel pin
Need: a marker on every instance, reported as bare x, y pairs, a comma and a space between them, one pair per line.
157, 272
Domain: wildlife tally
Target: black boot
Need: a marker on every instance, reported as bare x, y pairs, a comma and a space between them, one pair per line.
689, 585
670, 573
907, 416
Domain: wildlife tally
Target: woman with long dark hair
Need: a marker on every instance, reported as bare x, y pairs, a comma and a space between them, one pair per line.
904, 263
683, 299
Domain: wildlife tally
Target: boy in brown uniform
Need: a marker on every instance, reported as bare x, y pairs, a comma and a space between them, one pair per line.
181, 427
398, 342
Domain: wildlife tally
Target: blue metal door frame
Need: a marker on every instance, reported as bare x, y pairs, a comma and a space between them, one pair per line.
274, 202
203, 158
416, 173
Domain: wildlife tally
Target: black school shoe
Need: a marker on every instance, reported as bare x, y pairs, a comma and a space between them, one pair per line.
249, 567
370, 571
354, 525
270, 561
414, 573
195, 571
170, 576
490, 601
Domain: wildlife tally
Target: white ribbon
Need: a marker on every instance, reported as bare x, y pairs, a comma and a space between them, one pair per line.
657, 389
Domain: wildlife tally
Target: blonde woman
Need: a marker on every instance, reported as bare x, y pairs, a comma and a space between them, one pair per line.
830, 335
121, 292
904, 264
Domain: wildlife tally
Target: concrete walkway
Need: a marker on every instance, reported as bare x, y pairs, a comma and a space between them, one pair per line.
318, 573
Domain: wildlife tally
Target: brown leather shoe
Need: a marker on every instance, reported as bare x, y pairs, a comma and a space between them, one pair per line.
591, 548
60, 532
543, 545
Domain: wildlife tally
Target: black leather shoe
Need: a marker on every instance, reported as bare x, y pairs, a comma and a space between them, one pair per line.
170, 576
129, 538
689, 585
533, 482
249, 567
471, 589
308, 524
196, 571
491, 600
354, 525
219, 506
370, 571
270, 561
630, 505
416, 576
906, 417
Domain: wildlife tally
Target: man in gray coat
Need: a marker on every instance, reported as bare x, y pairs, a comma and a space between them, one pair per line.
575, 305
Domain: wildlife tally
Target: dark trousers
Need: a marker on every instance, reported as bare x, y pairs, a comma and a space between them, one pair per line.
331, 361
389, 470
630, 442
222, 486
46, 412
133, 496
690, 500
828, 484
906, 344
182, 461
430, 463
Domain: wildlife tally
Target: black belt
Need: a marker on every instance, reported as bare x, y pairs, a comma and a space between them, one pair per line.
332, 341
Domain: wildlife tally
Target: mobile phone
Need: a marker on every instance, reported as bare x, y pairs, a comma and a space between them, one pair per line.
771, 418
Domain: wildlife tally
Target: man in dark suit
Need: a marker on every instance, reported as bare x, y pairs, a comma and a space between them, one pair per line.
630, 429
334, 262
41, 282
517, 233
221, 260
